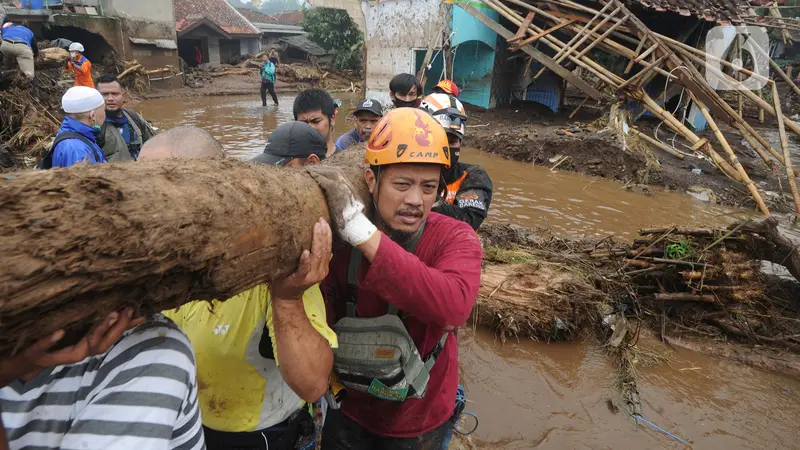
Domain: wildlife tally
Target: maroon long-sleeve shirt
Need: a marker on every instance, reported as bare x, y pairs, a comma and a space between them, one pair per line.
436, 288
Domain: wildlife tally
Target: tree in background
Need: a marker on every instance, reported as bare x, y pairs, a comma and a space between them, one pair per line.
335, 31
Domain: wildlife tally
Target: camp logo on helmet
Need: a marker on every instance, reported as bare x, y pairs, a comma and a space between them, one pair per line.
446, 151
401, 149
422, 131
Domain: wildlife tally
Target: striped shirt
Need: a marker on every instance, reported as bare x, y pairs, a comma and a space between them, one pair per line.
141, 394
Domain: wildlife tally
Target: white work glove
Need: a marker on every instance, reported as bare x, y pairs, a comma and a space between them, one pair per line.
346, 210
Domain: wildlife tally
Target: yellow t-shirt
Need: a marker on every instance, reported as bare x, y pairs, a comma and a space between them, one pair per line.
239, 389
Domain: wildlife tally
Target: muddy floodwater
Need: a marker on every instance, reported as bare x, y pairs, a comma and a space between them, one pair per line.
557, 395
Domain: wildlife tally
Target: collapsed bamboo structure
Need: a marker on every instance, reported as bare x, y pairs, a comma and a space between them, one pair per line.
570, 31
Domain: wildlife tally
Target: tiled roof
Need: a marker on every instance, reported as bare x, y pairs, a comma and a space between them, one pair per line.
305, 44
218, 12
713, 10
289, 18
256, 16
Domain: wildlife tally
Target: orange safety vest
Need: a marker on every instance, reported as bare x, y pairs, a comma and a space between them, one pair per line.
83, 74
452, 188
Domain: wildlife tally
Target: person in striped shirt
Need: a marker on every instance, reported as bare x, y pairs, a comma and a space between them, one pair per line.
129, 384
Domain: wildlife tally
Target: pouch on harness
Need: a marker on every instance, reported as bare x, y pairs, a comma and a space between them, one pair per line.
377, 355
47, 161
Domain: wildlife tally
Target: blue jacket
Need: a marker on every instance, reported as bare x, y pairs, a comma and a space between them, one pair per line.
348, 140
18, 33
72, 151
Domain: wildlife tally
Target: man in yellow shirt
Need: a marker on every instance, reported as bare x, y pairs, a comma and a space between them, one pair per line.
247, 399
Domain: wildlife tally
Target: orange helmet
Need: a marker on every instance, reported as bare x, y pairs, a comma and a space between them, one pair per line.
408, 135
448, 87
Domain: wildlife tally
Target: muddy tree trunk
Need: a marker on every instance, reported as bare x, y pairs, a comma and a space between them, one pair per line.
80, 242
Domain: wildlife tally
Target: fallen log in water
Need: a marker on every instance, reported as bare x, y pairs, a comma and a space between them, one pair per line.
78, 243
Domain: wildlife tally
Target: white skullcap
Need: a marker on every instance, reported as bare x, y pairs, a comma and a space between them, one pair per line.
76, 47
81, 99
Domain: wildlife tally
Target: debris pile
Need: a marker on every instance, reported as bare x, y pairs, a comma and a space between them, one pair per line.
571, 39
700, 281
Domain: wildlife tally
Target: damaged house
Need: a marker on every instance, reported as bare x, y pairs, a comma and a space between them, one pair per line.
215, 27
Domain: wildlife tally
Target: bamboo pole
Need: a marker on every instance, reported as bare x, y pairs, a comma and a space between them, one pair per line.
658, 144
554, 43
681, 129
646, 53
631, 61
578, 34
578, 108
784, 76
538, 36
602, 38
569, 49
731, 156
785, 147
760, 110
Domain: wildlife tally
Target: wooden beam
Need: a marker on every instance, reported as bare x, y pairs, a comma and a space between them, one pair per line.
547, 61
646, 53
544, 33
523, 28
657, 143
630, 63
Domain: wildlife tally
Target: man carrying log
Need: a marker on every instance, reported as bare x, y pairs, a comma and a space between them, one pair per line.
124, 130
264, 353
409, 280
129, 383
469, 188
295, 145
316, 108
19, 43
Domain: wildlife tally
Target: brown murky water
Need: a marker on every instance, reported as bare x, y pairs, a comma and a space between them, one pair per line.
538, 395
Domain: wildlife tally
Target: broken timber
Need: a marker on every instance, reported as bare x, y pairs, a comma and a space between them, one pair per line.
548, 62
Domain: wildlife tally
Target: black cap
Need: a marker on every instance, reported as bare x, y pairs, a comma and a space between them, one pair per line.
370, 105
292, 140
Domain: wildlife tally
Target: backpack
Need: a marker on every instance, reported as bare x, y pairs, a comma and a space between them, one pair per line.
376, 355
47, 161
268, 71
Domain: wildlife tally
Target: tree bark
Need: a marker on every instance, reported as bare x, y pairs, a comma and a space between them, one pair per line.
80, 242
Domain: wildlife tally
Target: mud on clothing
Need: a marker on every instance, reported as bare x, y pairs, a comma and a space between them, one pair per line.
241, 388
82, 71
72, 151
141, 394
469, 194
435, 289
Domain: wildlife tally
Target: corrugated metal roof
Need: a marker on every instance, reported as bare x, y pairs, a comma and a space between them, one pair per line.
305, 44
219, 12
276, 28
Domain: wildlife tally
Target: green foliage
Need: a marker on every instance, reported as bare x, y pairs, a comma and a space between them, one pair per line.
678, 250
334, 30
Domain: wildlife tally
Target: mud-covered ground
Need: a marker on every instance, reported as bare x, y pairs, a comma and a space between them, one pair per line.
532, 133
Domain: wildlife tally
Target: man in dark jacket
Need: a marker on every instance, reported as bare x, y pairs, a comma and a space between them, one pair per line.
18, 43
469, 188
124, 131
367, 114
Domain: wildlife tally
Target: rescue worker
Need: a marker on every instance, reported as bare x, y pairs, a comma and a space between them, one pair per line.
406, 265
76, 140
469, 188
80, 66
19, 44
317, 108
295, 145
265, 353
367, 114
268, 81
124, 131
405, 91
446, 87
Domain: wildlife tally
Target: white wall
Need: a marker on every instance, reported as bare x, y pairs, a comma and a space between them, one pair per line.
250, 46
213, 51
394, 30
